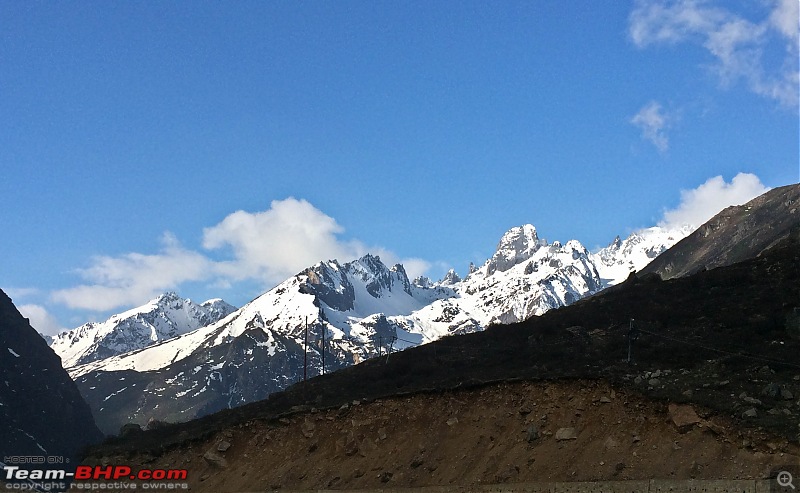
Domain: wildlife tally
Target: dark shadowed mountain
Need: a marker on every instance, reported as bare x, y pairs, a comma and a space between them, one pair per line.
41, 411
735, 234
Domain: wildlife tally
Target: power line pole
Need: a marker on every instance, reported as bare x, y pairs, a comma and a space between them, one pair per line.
633, 334
323, 348
391, 343
305, 353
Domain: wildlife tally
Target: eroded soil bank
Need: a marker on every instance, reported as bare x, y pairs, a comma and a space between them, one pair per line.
583, 430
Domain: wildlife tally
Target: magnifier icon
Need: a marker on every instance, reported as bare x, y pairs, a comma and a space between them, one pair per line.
785, 479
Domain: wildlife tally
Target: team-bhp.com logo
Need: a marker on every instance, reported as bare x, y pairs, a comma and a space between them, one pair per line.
93, 478
125, 472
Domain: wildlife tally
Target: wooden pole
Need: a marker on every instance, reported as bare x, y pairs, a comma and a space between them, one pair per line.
305, 353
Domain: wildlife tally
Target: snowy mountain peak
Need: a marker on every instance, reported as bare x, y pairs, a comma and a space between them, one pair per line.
327, 282
621, 257
450, 279
161, 318
167, 297
517, 245
401, 278
377, 277
422, 282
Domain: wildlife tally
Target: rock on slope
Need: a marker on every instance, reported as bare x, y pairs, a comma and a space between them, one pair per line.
162, 318
41, 411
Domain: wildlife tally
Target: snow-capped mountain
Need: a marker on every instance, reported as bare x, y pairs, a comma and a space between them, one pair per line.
162, 318
621, 257
359, 309
258, 349
526, 276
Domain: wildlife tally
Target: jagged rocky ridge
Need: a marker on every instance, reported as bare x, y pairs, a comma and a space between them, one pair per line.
361, 309
163, 318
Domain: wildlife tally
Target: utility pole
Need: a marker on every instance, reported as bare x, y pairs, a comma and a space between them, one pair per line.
305, 353
323, 348
391, 343
633, 334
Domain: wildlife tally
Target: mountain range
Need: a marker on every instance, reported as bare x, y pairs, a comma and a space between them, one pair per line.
174, 360
165, 361
714, 366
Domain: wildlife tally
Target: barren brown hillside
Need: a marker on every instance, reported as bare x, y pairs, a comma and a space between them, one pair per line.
504, 433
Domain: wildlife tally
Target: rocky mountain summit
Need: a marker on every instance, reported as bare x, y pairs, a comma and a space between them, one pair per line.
526, 276
621, 257
160, 319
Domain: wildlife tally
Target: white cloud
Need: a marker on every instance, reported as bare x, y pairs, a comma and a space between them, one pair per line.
17, 293
279, 242
40, 319
704, 202
785, 18
266, 247
653, 122
134, 278
737, 44
654, 22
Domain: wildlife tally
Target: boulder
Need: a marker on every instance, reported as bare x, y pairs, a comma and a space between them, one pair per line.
683, 417
533, 433
129, 429
566, 434
215, 459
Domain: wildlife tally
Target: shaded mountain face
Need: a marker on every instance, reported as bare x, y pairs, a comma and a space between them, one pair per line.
735, 234
41, 411
163, 318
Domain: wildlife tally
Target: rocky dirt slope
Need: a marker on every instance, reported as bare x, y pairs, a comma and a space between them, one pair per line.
503, 433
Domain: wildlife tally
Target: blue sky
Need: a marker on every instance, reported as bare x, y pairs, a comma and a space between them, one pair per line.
133, 132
